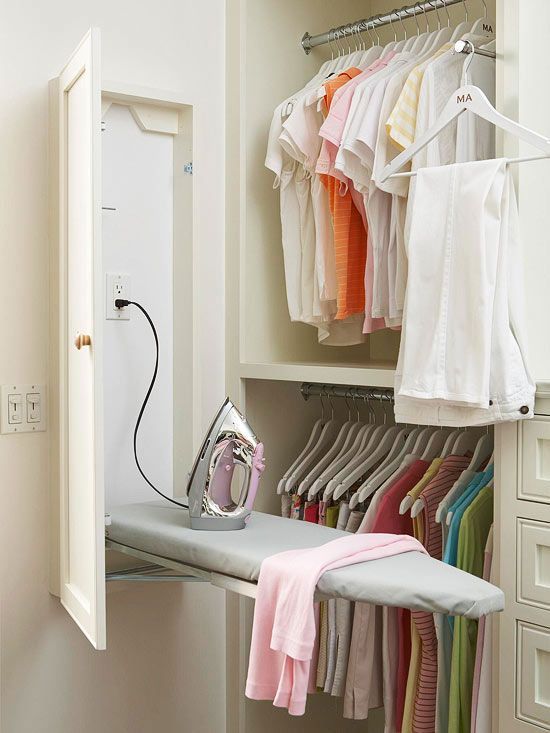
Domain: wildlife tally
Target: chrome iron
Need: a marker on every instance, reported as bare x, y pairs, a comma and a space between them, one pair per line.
229, 443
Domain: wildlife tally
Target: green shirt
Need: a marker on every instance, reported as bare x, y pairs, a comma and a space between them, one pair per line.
472, 538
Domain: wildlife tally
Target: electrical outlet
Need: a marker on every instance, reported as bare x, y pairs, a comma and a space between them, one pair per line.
117, 286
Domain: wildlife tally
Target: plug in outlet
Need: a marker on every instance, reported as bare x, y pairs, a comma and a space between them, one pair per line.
117, 286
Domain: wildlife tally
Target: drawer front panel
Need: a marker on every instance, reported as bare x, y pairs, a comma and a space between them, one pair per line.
533, 563
533, 674
534, 482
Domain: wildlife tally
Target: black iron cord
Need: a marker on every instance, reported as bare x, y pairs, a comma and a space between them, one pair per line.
120, 303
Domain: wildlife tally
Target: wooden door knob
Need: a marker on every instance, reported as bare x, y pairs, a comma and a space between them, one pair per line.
82, 339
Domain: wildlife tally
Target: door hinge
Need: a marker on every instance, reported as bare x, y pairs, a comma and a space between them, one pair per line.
188, 168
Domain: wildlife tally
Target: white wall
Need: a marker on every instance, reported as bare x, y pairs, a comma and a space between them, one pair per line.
137, 180
52, 681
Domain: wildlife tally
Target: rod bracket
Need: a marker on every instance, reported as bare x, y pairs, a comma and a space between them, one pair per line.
306, 44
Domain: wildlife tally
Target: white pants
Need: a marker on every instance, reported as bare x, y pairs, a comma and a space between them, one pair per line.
461, 360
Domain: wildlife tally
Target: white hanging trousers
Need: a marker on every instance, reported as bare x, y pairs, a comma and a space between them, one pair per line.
461, 360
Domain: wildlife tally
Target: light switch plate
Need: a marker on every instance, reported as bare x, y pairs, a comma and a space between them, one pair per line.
26, 425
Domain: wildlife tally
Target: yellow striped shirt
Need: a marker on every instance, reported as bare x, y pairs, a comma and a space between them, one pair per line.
401, 124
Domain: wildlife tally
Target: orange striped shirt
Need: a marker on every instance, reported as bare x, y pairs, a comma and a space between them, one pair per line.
350, 237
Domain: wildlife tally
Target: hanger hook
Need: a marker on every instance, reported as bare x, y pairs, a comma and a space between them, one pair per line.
400, 17
484, 8
322, 405
346, 394
433, 4
423, 9
355, 35
471, 49
375, 29
339, 42
361, 31
465, 10
355, 405
446, 9
327, 393
330, 45
413, 9
391, 26
370, 34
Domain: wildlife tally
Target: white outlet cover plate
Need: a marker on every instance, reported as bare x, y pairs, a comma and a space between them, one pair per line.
23, 390
113, 280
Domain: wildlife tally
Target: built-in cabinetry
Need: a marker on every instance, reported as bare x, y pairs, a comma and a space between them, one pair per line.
524, 522
267, 356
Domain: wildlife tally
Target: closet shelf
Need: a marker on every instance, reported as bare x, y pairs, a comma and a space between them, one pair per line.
375, 374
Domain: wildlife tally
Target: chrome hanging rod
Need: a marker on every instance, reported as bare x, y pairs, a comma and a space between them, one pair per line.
309, 389
376, 21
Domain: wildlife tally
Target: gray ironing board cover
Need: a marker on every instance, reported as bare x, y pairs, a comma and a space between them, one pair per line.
410, 580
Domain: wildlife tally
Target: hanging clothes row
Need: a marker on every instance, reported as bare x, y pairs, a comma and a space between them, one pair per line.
344, 232
364, 474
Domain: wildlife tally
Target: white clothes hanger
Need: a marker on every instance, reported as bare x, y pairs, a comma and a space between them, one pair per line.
398, 44
328, 434
423, 39
425, 447
454, 492
451, 440
482, 451
467, 98
383, 447
369, 440
343, 442
370, 54
403, 445
464, 27
313, 439
361, 440
466, 441
484, 26
444, 33
357, 56
436, 444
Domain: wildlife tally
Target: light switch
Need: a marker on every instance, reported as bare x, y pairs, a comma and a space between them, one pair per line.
15, 409
33, 407
22, 408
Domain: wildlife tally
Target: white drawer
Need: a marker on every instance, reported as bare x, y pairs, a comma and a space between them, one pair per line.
534, 484
533, 674
533, 563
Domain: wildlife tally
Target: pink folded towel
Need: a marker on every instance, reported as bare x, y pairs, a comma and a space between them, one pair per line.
285, 628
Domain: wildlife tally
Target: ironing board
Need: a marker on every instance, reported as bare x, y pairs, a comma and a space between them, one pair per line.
159, 532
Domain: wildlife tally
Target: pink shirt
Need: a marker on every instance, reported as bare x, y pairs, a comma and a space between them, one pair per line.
332, 132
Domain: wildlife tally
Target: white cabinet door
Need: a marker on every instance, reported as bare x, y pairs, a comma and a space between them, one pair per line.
82, 553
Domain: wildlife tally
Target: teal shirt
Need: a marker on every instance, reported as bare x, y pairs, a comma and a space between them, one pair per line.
458, 509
